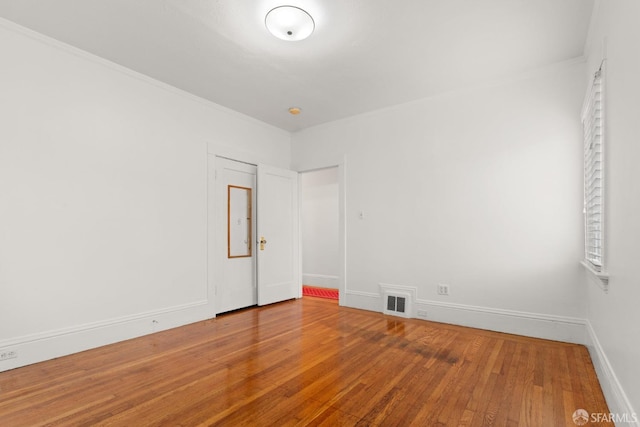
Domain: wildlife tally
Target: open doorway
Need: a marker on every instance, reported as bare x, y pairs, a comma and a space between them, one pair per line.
320, 216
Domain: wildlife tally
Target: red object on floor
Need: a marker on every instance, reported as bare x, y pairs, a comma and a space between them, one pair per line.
312, 291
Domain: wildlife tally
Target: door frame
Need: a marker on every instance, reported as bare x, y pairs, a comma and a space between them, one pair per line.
341, 164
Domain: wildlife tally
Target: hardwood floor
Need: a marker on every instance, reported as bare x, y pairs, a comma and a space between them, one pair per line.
308, 362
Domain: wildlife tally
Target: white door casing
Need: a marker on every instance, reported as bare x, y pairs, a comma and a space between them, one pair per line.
278, 262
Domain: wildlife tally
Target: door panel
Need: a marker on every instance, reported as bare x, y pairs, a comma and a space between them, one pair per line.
236, 276
278, 271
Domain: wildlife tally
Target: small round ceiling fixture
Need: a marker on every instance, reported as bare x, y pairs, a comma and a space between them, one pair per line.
289, 23
295, 111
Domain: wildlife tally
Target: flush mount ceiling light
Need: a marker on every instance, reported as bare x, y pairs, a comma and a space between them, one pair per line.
295, 111
289, 23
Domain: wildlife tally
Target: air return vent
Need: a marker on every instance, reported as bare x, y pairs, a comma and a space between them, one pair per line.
396, 303
397, 300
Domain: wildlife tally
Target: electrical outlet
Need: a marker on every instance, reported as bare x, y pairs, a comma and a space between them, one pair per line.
8, 354
443, 289
422, 313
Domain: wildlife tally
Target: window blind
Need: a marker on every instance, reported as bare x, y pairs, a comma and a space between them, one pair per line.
593, 125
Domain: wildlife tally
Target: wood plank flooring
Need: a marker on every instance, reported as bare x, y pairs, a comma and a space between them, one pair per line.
308, 362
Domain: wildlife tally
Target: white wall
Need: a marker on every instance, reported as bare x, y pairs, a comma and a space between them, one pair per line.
614, 317
479, 189
319, 227
103, 186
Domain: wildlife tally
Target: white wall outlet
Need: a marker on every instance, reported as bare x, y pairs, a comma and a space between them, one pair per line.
422, 314
8, 354
443, 289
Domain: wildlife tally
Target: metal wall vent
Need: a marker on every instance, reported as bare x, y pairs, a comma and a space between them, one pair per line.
397, 300
396, 304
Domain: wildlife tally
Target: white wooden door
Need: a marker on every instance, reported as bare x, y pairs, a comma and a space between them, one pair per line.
278, 235
236, 275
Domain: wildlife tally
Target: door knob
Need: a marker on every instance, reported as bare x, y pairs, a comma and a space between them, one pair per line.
263, 242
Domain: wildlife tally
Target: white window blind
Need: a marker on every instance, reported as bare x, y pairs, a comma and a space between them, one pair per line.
593, 125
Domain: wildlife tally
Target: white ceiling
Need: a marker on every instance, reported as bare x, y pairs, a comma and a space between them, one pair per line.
364, 54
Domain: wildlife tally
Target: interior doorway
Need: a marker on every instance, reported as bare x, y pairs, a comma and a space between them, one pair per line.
320, 225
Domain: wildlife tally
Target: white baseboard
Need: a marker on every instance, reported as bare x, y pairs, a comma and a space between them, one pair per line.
613, 392
537, 325
49, 345
362, 300
320, 280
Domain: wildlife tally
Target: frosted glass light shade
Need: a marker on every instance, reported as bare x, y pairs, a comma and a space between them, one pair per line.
289, 23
